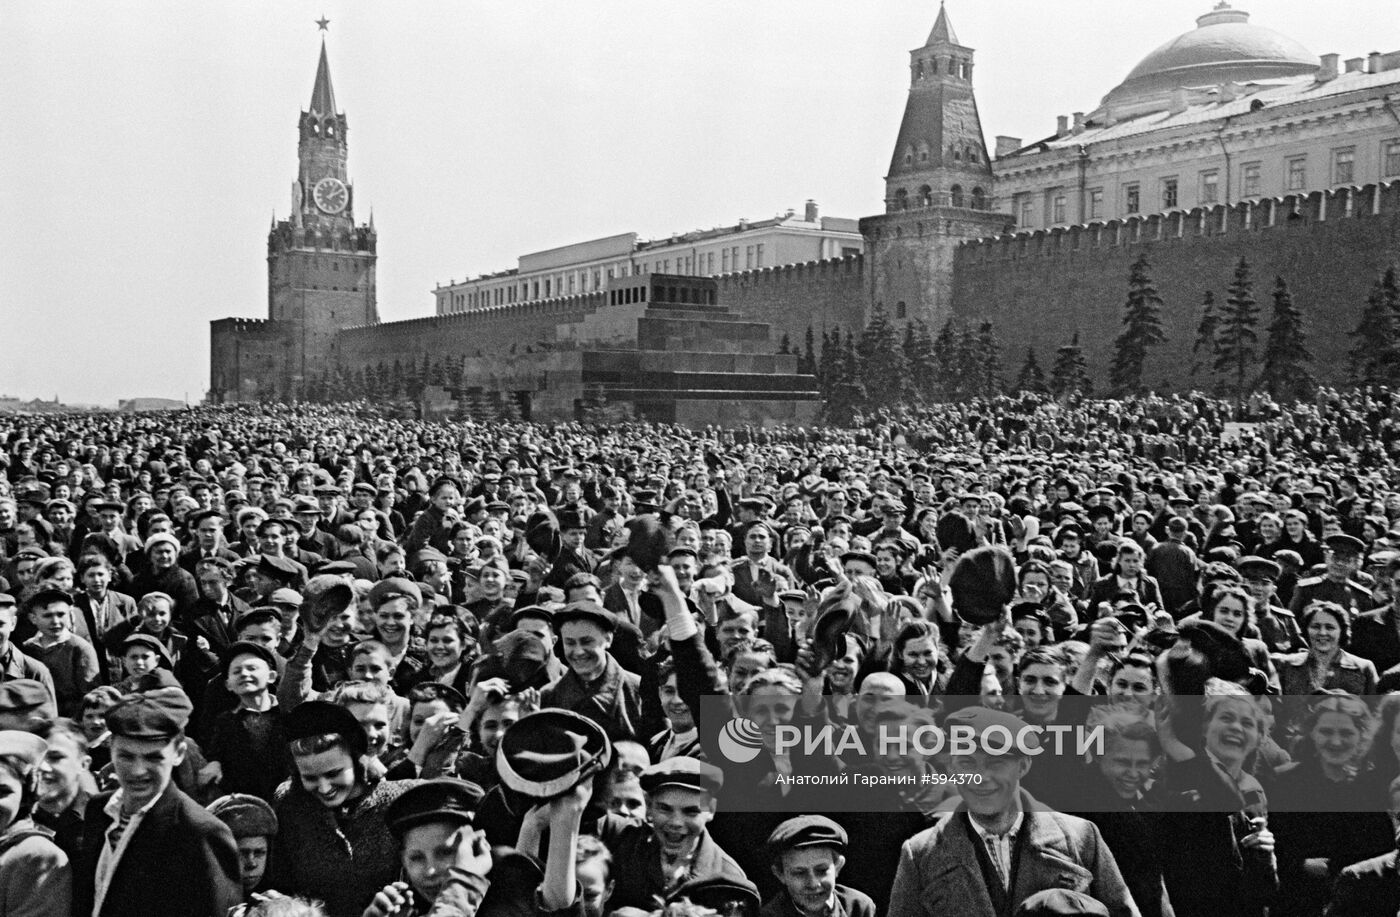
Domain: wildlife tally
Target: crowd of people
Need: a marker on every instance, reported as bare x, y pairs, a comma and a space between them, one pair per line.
309, 660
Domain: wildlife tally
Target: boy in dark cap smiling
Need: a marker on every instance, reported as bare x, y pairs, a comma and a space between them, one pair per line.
808, 853
154, 850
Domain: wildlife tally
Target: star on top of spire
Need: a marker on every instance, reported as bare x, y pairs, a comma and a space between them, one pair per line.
323, 23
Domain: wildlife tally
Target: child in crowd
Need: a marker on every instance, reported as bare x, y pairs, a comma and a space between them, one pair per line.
71, 660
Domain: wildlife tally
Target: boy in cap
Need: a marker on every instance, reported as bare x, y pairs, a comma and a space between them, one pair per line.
72, 661
674, 847
35, 874
444, 860
254, 825
152, 849
246, 746
13, 663
808, 853
1000, 846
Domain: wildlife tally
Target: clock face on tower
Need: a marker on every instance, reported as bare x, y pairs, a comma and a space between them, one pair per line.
330, 195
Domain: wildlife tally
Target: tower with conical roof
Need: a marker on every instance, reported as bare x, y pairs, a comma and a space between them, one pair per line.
320, 264
938, 190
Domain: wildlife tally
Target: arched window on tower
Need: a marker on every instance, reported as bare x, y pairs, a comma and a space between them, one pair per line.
908, 156
956, 193
900, 309
979, 199
973, 155
953, 66
315, 128
330, 129
923, 152
955, 154
901, 200
925, 196
918, 70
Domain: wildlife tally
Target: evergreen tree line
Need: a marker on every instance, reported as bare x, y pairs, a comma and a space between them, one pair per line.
1231, 356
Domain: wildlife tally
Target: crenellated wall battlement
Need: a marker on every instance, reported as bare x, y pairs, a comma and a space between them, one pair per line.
1288, 212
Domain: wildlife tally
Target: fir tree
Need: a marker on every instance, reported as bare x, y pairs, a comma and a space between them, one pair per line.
968, 375
1031, 378
826, 369
1203, 351
1287, 360
1237, 343
1376, 355
809, 355
919, 359
880, 367
785, 345
1070, 374
945, 357
1142, 330
989, 376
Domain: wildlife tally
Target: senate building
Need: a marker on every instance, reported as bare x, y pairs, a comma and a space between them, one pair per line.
1227, 141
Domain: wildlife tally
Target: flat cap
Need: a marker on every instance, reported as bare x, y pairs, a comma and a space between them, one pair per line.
260, 615
277, 567
685, 772
806, 831
159, 715
392, 588
246, 816
722, 894
981, 719
1259, 566
307, 506
285, 596
591, 612
27, 747
441, 799
1061, 902
25, 695
248, 648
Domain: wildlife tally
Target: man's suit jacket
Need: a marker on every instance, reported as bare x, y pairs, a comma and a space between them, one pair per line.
182, 862
939, 871
116, 606
769, 571
1105, 589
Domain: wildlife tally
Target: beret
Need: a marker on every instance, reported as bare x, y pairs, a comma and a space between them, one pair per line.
981, 719
440, 799
159, 715
806, 831
246, 816
551, 751
682, 771
161, 538
320, 718
982, 582
29, 748
391, 588
24, 695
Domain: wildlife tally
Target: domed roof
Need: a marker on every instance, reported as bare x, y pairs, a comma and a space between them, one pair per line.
1222, 48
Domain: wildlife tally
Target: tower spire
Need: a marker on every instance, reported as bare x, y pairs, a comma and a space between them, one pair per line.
942, 29
322, 95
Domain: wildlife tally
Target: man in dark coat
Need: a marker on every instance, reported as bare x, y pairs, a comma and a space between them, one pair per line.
148, 848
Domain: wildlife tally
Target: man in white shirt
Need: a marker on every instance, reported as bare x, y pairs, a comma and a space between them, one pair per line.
151, 849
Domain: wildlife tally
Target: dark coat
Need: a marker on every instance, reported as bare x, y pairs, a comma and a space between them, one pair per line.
182, 862
637, 864
939, 870
1370, 888
1374, 636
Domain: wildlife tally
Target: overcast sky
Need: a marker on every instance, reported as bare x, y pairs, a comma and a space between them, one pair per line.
146, 146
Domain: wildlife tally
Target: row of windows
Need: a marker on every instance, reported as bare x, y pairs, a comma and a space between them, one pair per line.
954, 67
703, 263
1342, 171
956, 153
955, 198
